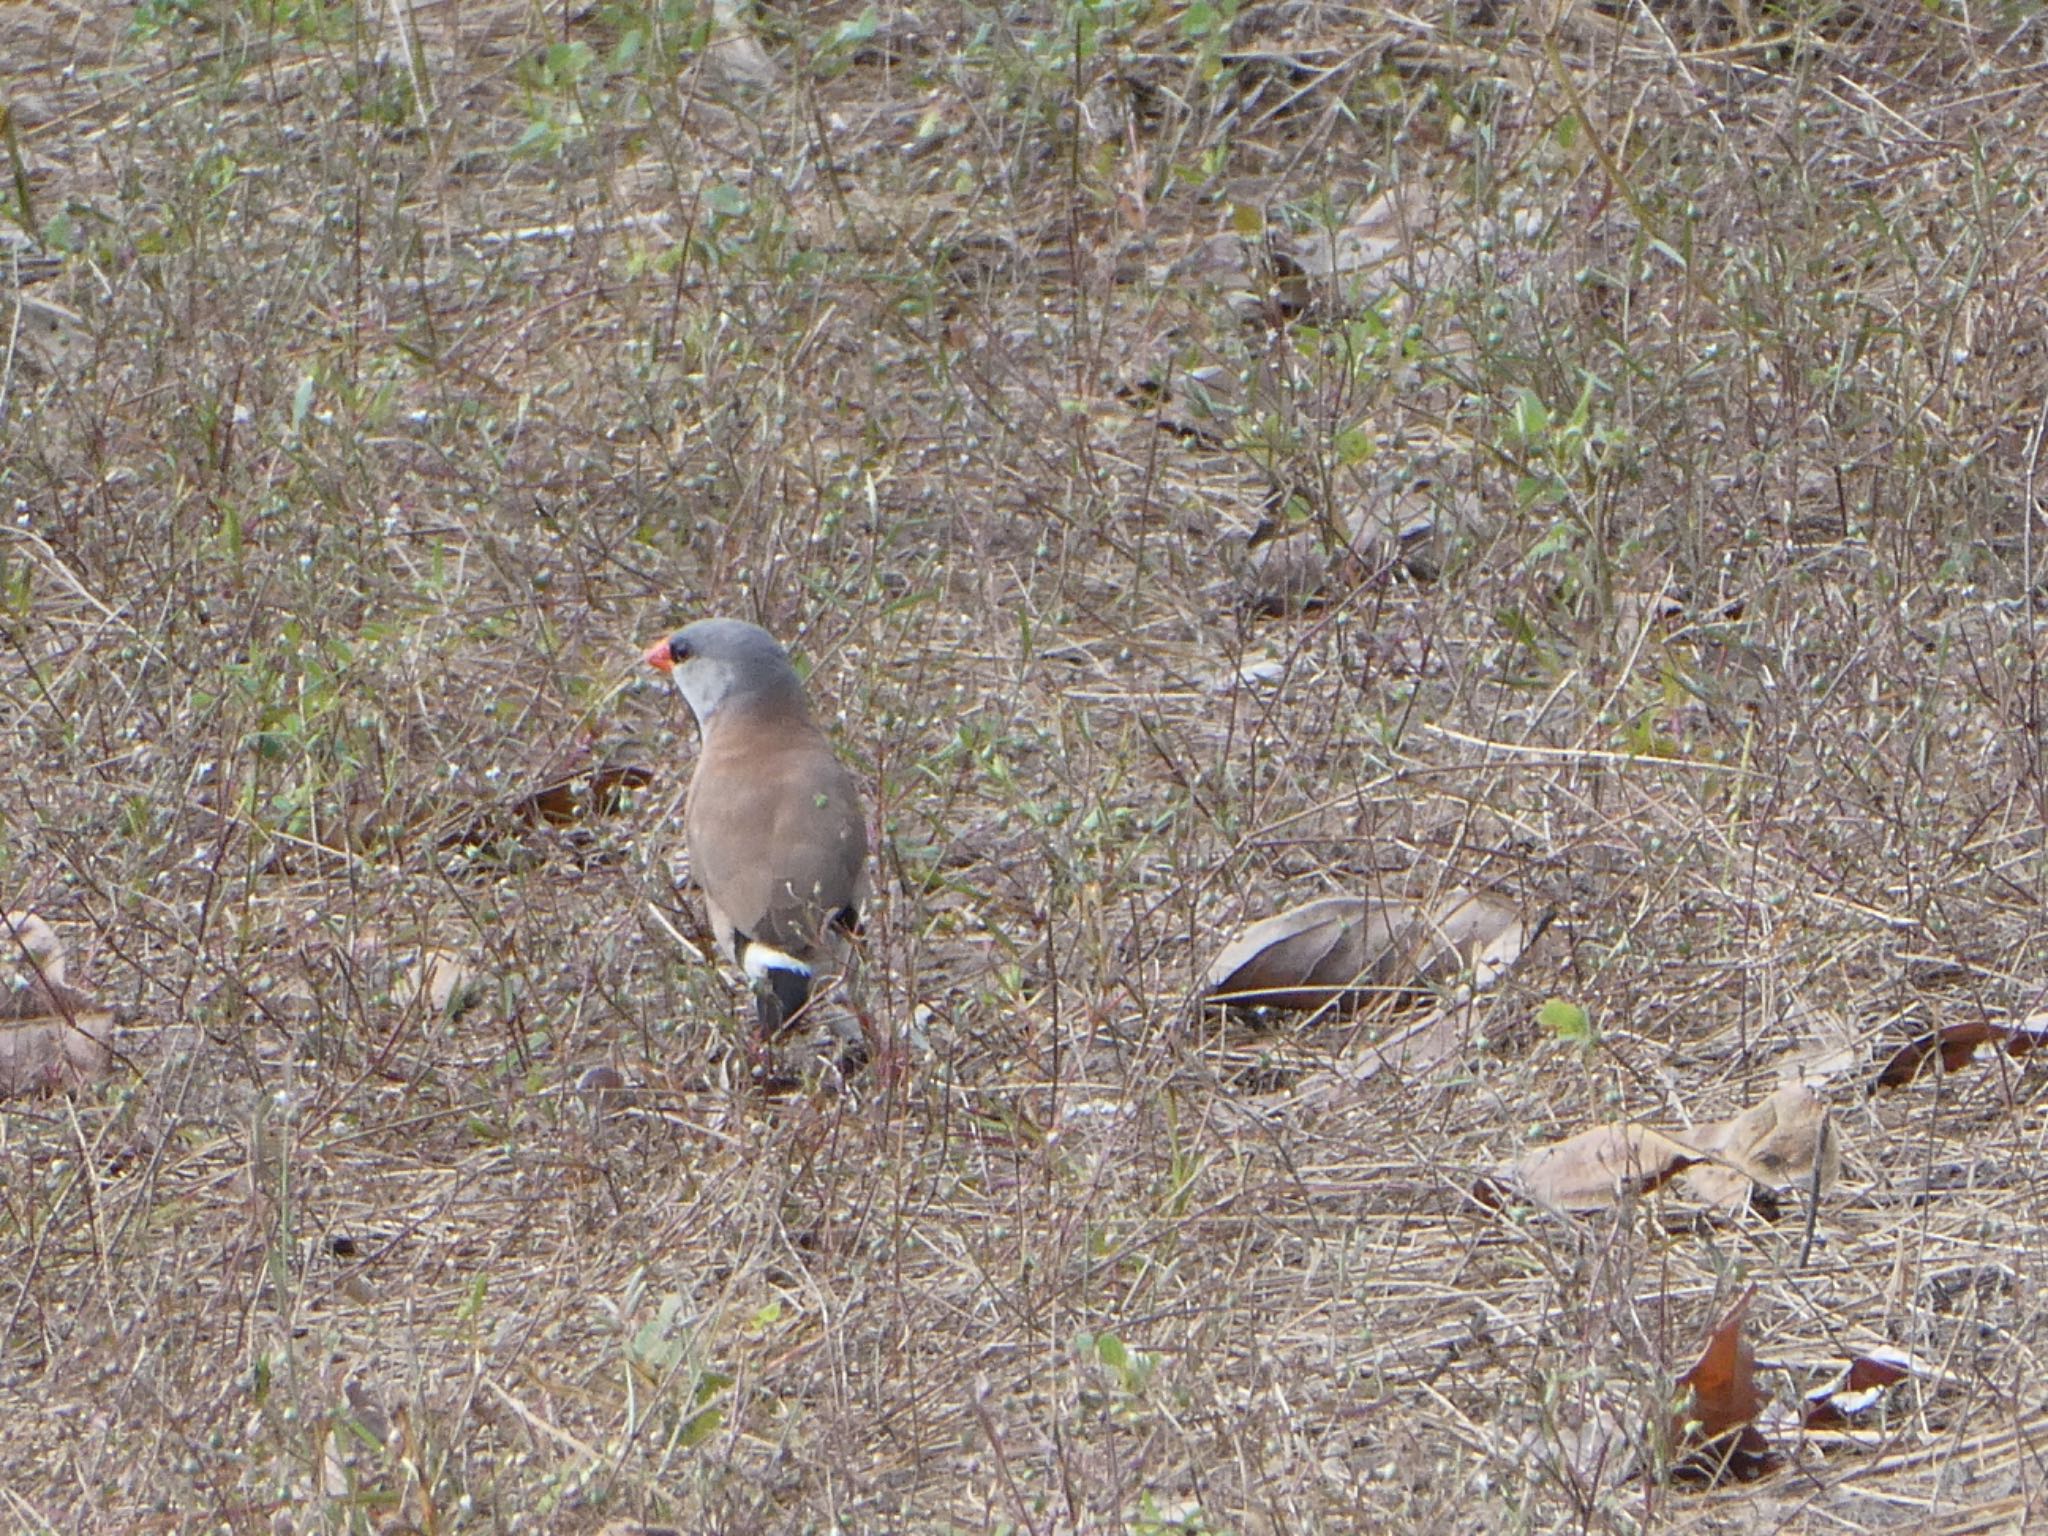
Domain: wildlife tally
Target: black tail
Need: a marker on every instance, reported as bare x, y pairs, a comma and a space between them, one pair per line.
779, 999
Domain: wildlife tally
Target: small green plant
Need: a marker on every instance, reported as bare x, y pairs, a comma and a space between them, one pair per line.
665, 1353
1130, 1370
1569, 1022
1569, 468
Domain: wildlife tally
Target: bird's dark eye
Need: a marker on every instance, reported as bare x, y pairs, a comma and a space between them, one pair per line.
679, 650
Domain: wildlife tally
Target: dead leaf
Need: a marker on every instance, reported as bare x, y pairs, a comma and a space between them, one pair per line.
30, 948
1476, 933
56, 1051
1342, 951
1774, 1143
1715, 1430
1328, 953
1734, 1162
599, 791
404, 976
735, 52
1955, 1044
1397, 224
1421, 1043
569, 801
1859, 1387
52, 1036
1599, 1168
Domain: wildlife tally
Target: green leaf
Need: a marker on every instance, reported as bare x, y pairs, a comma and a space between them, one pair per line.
700, 1426
567, 62
1568, 1021
1558, 538
709, 1385
540, 137
1109, 1349
727, 201
849, 34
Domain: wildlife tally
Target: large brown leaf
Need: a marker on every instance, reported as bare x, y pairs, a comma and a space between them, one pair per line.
1715, 1427
1772, 1144
1601, 1167
1329, 953
1470, 932
1341, 951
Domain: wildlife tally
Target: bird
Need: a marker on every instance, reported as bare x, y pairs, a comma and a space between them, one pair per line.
773, 819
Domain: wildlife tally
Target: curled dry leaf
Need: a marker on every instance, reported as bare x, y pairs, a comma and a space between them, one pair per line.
52, 1035
568, 801
1341, 951
1955, 1044
407, 976
1773, 1143
1479, 933
735, 52
31, 949
1776, 1142
1602, 1167
1857, 1388
599, 791
1715, 1426
1328, 953
1408, 228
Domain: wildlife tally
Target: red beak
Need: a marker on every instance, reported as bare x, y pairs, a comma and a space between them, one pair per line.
659, 657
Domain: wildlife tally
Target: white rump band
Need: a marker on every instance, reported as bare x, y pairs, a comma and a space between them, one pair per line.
761, 958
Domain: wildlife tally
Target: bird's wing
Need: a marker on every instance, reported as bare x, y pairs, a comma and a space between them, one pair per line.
777, 837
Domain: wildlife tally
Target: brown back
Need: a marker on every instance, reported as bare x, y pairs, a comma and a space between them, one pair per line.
777, 836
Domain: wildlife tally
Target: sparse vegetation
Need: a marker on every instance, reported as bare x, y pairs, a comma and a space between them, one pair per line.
1213, 455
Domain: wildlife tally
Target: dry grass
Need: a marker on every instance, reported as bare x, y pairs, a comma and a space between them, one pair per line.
428, 360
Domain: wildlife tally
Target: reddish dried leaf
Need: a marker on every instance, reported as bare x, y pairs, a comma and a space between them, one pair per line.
1956, 1044
1868, 1371
2030, 1032
576, 797
594, 792
1856, 1390
1717, 1429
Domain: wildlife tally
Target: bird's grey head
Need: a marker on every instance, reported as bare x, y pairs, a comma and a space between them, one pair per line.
716, 662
